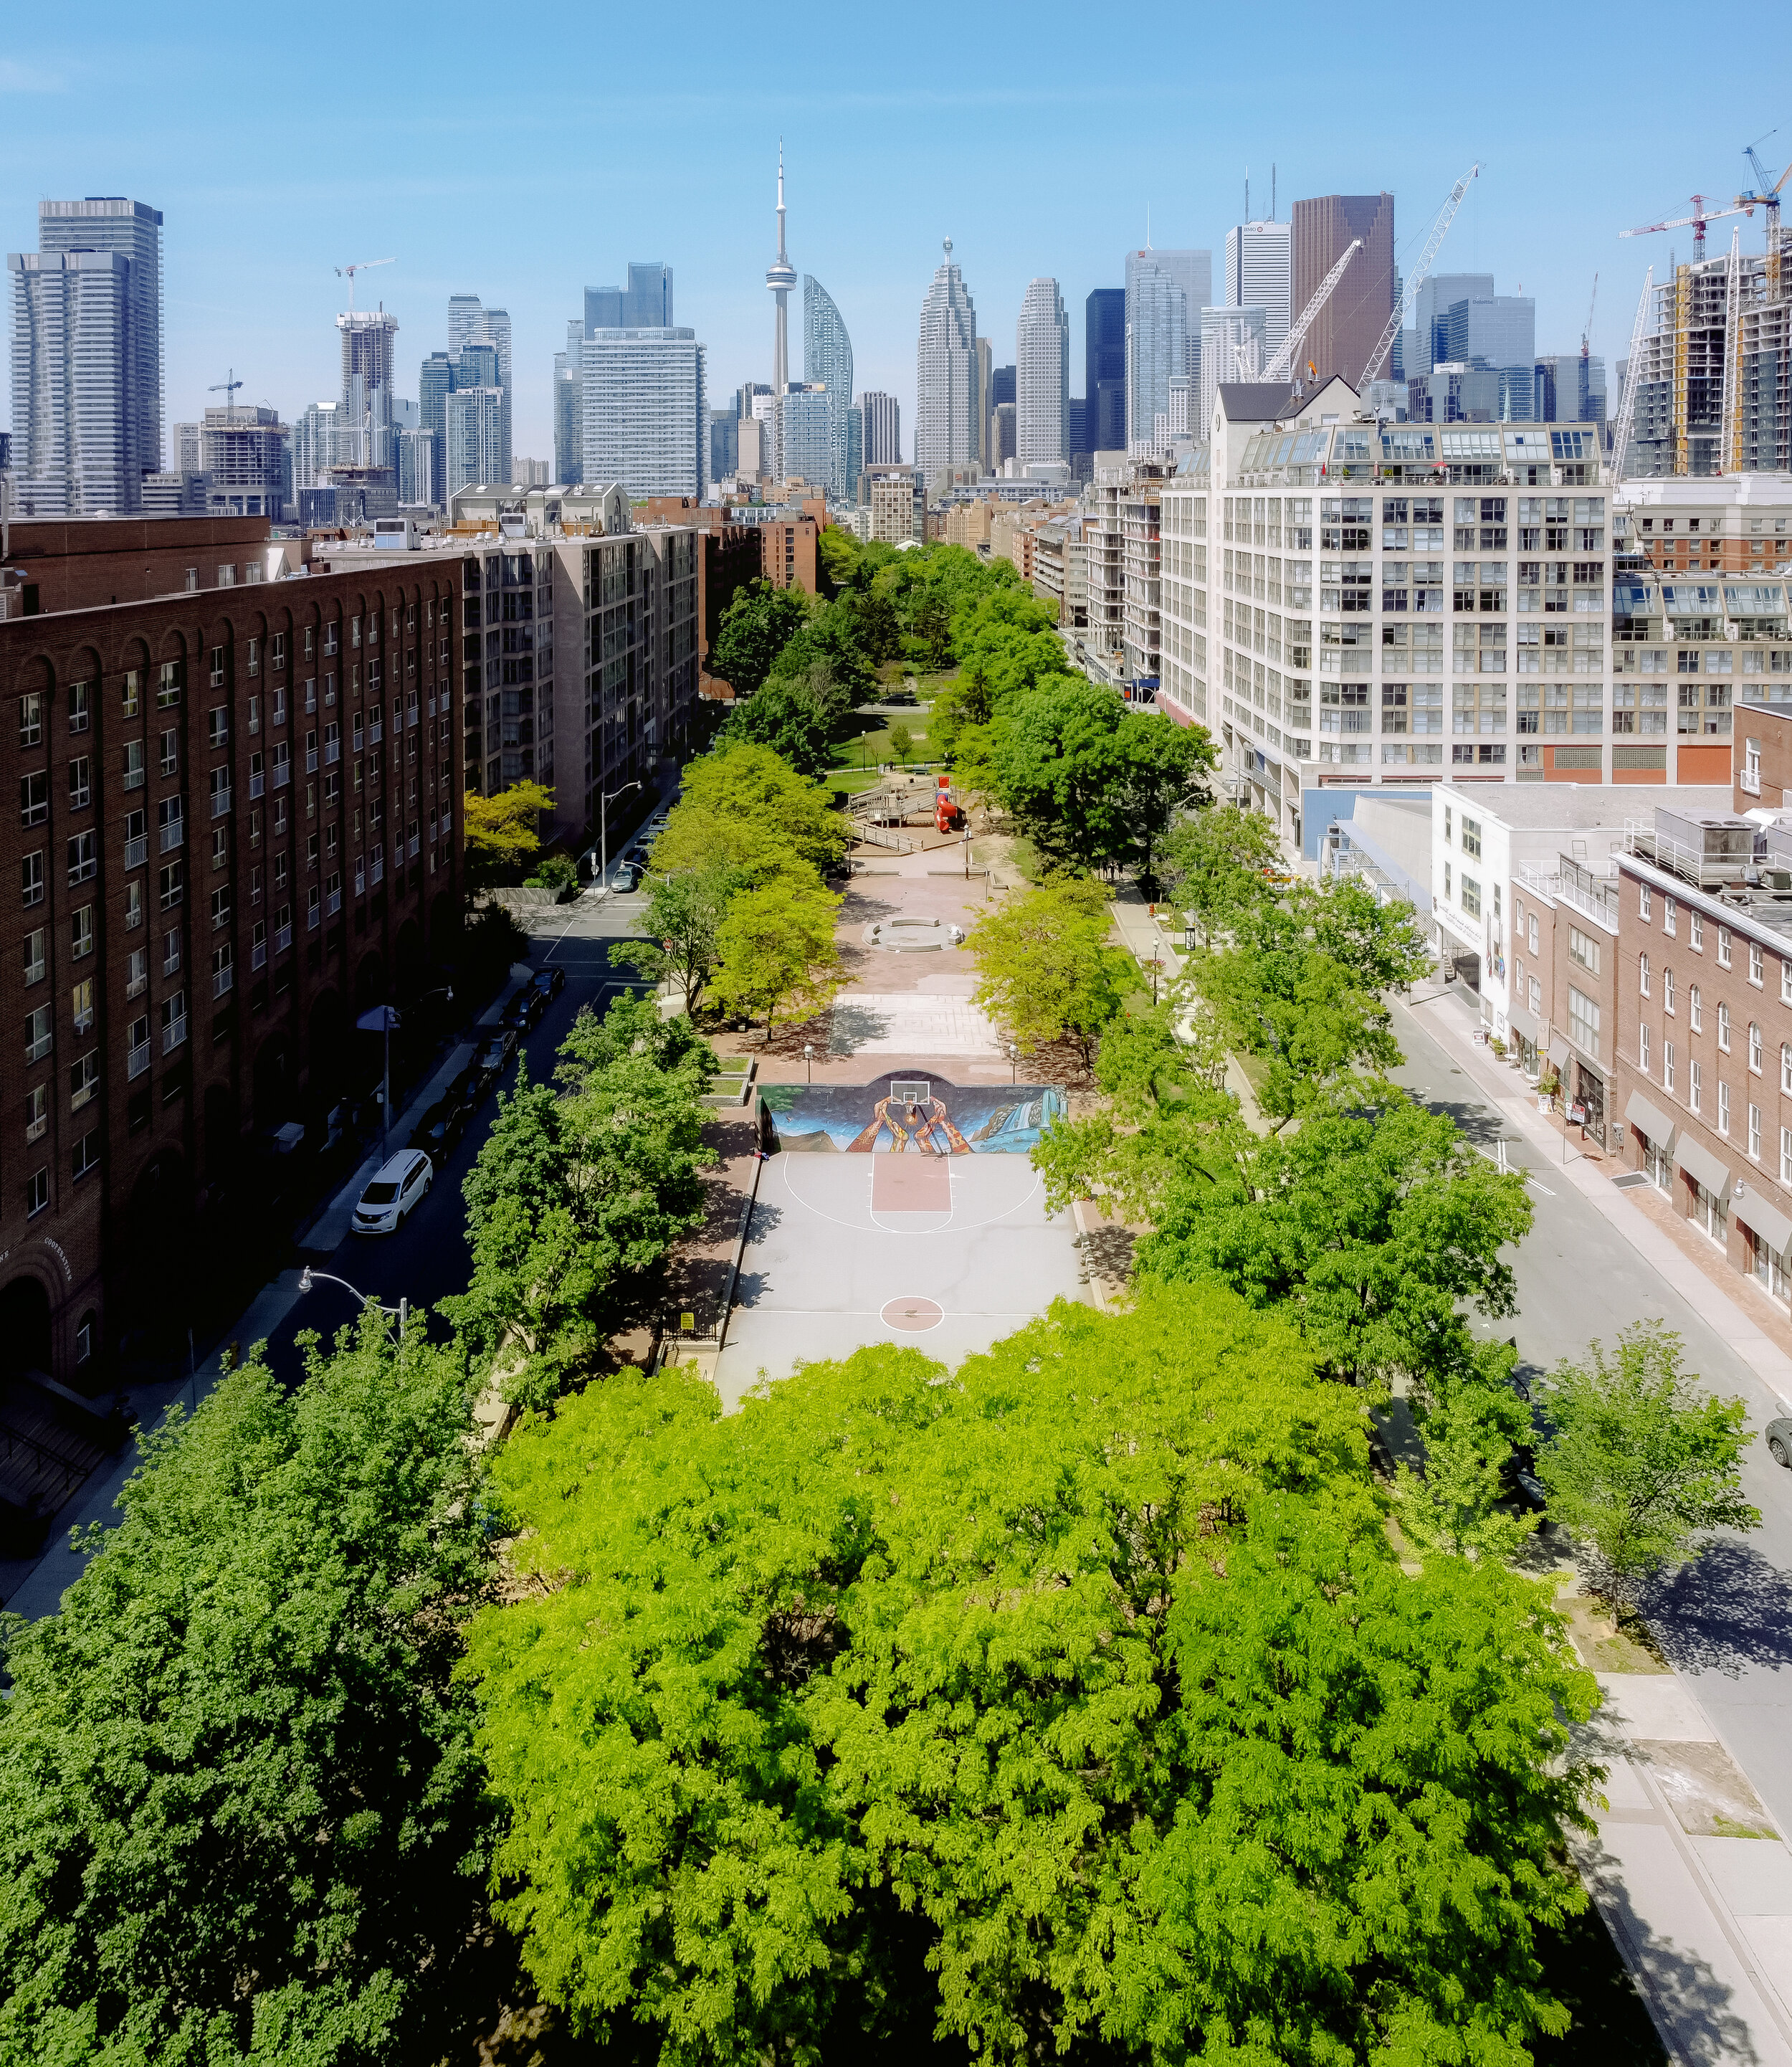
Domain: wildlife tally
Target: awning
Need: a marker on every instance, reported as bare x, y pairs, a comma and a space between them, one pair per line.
1650, 1120
1558, 1051
1521, 1022
1699, 1161
1767, 1222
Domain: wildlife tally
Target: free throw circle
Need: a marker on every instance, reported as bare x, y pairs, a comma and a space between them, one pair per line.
912, 1315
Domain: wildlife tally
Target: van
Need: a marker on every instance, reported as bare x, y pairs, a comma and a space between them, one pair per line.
392, 1193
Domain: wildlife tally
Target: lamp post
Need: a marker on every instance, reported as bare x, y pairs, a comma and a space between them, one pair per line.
381, 1021
1014, 1061
307, 1278
809, 1058
603, 828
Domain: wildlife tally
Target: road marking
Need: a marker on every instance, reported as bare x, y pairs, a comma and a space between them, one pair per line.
1530, 1179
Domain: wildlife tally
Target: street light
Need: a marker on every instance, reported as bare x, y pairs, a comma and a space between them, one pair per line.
307, 1278
609, 797
808, 1056
1014, 1061
382, 1020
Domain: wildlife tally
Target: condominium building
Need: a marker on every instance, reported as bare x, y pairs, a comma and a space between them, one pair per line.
240, 827
1259, 273
810, 453
1344, 331
1104, 369
1042, 373
1165, 292
368, 392
418, 487
1353, 604
187, 456
248, 461
948, 408
476, 424
890, 491
1741, 523
883, 429
645, 303
828, 364
646, 414
320, 439
1714, 373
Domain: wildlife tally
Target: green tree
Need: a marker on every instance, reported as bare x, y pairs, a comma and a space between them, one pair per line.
1458, 1503
684, 913
901, 742
1219, 860
502, 830
755, 629
1159, 768
1083, 1679
243, 1819
1642, 1464
788, 716
778, 963
1044, 970
743, 804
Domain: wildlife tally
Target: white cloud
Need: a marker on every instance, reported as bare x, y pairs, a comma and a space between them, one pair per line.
17, 78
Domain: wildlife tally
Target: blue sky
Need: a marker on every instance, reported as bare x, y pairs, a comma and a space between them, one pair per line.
518, 153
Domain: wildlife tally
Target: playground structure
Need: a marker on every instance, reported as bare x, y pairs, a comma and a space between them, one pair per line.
903, 799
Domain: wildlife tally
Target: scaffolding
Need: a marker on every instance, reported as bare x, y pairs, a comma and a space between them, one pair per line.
1711, 377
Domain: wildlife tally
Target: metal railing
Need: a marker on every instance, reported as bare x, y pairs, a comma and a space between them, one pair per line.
256, 785
174, 1034
282, 774
332, 902
172, 834
282, 938
258, 955
137, 851
221, 802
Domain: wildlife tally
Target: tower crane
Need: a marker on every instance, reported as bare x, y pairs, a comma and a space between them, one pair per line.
361, 265
1765, 194
227, 387
1586, 328
1446, 215
1289, 348
1699, 217
1627, 402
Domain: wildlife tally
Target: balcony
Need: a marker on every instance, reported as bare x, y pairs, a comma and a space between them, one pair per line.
256, 785
282, 774
258, 955
137, 851
137, 1060
172, 834
220, 803
221, 981
174, 1034
282, 939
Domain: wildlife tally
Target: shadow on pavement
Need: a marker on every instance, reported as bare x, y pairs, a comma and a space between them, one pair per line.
1724, 1609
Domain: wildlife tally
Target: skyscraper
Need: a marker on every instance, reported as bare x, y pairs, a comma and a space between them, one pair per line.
470, 323
808, 441
320, 441
1344, 332
1235, 346
476, 419
780, 277
948, 410
1158, 313
828, 361
86, 358
647, 411
645, 303
1259, 273
1042, 373
883, 429
1105, 368
986, 383
1426, 343
367, 384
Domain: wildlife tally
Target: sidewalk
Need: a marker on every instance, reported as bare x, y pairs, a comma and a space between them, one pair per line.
1690, 1871
34, 1587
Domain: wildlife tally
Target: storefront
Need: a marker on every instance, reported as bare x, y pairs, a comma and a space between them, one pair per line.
1709, 1184
1522, 1033
1655, 1139
1769, 1234
1589, 1098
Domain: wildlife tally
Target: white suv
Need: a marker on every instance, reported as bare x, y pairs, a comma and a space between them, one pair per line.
391, 1192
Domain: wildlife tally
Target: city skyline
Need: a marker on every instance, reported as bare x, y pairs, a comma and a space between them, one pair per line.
249, 253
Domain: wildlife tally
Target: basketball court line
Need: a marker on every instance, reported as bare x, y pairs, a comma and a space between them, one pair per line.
873, 1225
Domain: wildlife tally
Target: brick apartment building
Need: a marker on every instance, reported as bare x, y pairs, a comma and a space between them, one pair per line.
236, 829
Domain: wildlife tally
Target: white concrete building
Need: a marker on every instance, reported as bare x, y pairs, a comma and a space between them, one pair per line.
1259, 273
1041, 374
646, 412
476, 421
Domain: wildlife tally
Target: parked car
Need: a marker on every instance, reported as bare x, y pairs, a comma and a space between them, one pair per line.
439, 1128
468, 1089
625, 878
1779, 1436
392, 1193
550, 981
499, 1045
525, 1009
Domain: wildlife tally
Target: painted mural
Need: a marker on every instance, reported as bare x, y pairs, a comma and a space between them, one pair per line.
906, 1115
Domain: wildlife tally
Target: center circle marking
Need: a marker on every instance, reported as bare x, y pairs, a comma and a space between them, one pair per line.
912, 1315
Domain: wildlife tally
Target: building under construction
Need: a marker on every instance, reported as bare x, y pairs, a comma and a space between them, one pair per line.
1712, 372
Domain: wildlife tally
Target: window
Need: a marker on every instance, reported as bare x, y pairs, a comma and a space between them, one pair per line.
1754, 1048
37, 1112
86, 1157
1667, 1066
38, 1034
1695, 1007
1533, 922
80, 782
1670, 914
1471, 897
80, 707
1643, 975
81, 1005
1695, 1095
31, 720
1723, 1107
1757, 963
1446, 825
133, 764
1667, 990
171, 951
221, 908
1723, 947
1583, 1021
1723, 1026
83, 1082
1471, 837
37, 1192
1754, 1132
33, 798
34, 958
174, 1021
1644, 899
173, 885
1584, 949
133, 906
1786, 1155
1695, 931
171, 752
217, 660
31, 878
1643, 1048
83, 858
136, 973
218, 727
167, 685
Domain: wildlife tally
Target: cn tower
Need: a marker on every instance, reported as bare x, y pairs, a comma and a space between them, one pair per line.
780, 277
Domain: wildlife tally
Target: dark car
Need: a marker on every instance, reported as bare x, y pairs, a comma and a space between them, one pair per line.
524, 1010
468, 1089
548, 983
496, 1050
1779, 1436
439, 1129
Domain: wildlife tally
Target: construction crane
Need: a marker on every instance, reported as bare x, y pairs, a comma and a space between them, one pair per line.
1586, 328
1627, 402
362, 265
1288, 351
1765, 194
1699, 217
227, 387
1446, 215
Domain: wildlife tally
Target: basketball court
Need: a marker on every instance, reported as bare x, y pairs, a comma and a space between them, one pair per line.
949, 1251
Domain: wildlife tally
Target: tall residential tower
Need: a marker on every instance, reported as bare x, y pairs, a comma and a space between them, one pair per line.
828, 363
1042, 373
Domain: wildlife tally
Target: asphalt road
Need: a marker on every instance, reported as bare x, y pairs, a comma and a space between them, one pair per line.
428, 1258
1726, 1619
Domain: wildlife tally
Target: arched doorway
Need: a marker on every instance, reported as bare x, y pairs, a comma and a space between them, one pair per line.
25, 1330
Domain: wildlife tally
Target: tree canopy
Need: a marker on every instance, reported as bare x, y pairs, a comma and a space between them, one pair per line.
502, 830
744, 805
1044, 970
242, 1816
776, 962
1074, 1698
754, 630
